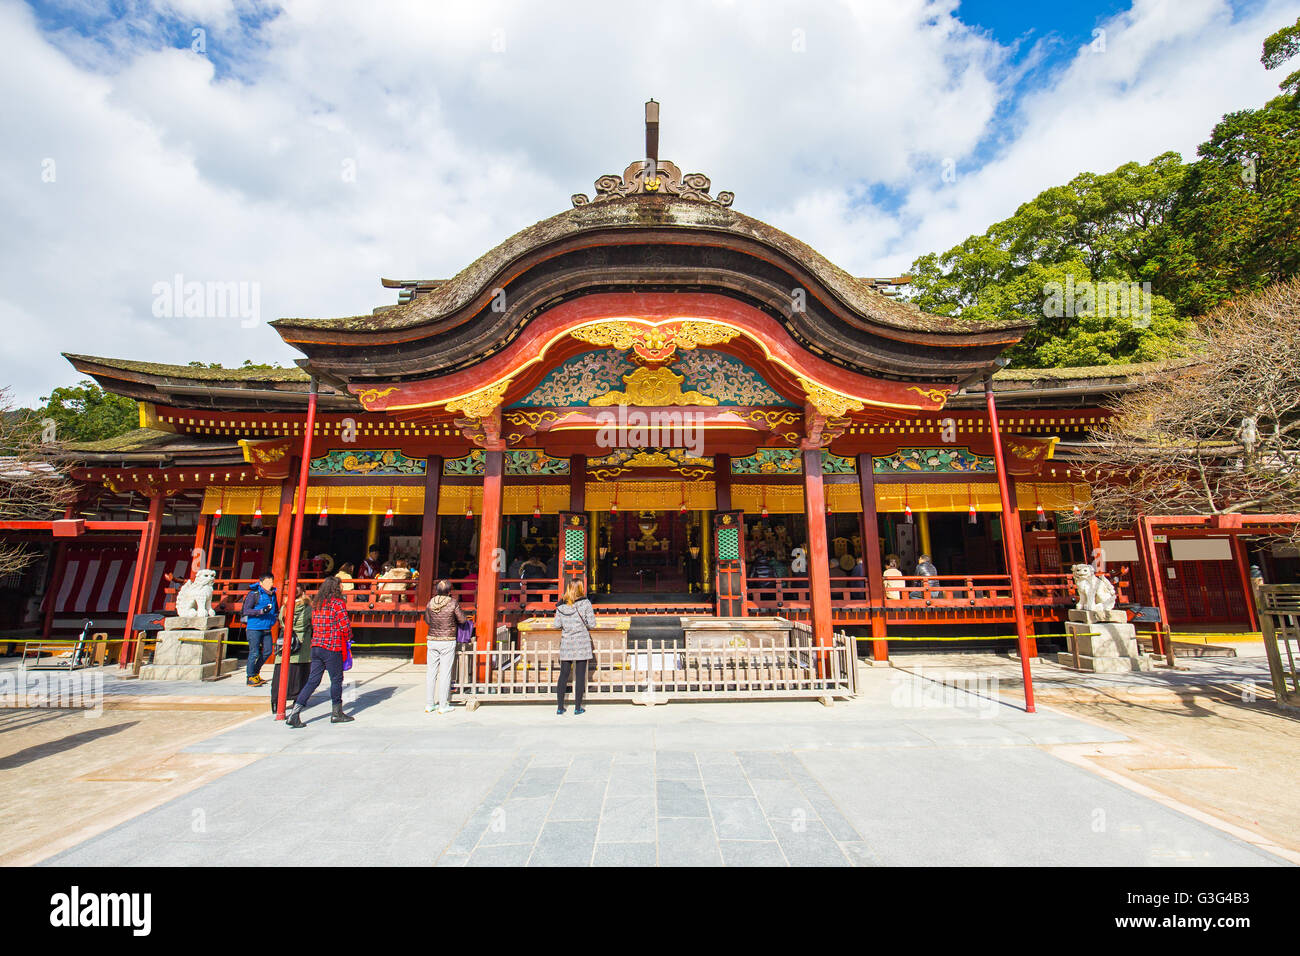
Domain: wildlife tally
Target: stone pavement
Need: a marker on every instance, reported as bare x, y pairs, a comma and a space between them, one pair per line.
912, 772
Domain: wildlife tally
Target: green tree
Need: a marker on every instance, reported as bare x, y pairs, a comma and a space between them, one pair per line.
1235, 225
1280, 47
85, 412
1097, 229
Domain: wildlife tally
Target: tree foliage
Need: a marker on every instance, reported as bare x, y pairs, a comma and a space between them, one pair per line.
1219, 436
85, 412
32, 488
1199, 233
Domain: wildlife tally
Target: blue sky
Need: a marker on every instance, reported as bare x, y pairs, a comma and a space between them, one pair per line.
309, 148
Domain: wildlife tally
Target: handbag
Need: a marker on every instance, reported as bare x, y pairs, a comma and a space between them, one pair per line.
465, 632
347, 657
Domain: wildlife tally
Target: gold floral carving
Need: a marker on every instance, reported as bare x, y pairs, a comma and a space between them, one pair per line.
655, 343
369, 396
936, 395
773, 418
481, 403
530, 419
829, 403
653, 387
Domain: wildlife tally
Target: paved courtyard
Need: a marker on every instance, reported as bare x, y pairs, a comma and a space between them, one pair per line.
913, 772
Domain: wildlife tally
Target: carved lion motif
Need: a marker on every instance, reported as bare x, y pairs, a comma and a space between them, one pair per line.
1095, 594
195, 596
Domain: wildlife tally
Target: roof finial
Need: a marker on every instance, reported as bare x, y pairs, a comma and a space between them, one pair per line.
643, 177
651, 139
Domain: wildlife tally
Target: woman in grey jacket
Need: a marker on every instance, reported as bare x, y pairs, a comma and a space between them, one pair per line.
575, 618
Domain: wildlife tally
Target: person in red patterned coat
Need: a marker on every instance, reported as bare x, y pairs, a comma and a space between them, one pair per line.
331, 632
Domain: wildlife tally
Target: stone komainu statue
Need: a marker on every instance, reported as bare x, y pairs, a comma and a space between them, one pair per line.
194, 599
1095, 593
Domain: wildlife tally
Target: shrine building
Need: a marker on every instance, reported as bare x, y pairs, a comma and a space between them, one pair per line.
692, 411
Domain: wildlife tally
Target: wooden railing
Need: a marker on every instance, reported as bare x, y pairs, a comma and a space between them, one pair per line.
1279, 620
381, 602
919, 592
769, 667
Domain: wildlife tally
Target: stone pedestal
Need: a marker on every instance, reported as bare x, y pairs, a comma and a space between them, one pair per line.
187, 650
1106, 642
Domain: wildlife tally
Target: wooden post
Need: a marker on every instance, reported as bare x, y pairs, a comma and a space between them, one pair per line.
819, 576
1010, 532
1022, 563
923, 527
287, 597
1147, 544
729, 559
1243, 570
722, 482
578, 483
489, 540
872, 563
142, 591
430, 538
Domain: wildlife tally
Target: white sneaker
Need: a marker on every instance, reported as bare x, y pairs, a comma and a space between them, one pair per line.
445, 709
429, 710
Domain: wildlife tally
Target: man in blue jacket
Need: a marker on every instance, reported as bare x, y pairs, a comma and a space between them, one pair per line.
260, 609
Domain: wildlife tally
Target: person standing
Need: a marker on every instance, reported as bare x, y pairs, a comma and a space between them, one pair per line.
331, 632
442, 615
344, 574
259, 610
370, 566
299, 647
575, 617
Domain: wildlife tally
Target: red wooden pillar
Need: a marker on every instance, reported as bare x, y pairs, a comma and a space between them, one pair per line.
283, 531
1147, 545
1022, 563
819, 575
295, 546
142, 587
430, 538
52, 590
871, 561
199, 554
1243, 570
489, 540
1010, 533
729, 563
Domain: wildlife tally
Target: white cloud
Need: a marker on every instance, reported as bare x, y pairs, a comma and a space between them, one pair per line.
466, 121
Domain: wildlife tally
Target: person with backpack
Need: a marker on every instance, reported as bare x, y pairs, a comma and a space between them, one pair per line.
575, 617
442, 614
259, 609
331, 633
299, 647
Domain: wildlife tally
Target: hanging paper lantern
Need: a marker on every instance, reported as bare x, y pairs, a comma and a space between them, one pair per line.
1078, 512
537, 512
257, 517
683, 509
907, 513
764, 511
469, 512
388, 518
1042, 515
971, 514
216, 514
324, 517
613, 508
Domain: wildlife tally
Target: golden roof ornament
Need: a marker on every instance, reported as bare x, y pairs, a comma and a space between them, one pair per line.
653, 176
